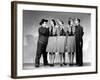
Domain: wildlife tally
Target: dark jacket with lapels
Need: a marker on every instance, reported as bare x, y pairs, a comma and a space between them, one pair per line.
79, 33
43, 35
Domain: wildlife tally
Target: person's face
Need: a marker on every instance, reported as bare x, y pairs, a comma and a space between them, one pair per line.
52, 23
76, 22
71, 22
44, 24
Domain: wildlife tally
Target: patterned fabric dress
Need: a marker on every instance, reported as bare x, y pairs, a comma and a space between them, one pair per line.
71, 39
61, 40
52, 43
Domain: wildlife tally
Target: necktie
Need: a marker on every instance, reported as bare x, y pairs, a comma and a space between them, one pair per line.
71, 30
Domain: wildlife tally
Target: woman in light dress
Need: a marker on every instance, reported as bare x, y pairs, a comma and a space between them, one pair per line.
51, 47
70, 40
61, 36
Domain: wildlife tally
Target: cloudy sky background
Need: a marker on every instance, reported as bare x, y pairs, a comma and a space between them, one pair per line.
31, 21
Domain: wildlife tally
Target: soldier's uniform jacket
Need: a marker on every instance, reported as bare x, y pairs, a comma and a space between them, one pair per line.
43, 35
79, 33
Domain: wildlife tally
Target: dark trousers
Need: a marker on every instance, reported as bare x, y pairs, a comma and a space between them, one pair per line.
41, 50
79, 54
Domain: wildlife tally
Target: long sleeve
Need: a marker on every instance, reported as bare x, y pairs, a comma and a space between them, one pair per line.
43, 35
82, 31
63, 32
44, 31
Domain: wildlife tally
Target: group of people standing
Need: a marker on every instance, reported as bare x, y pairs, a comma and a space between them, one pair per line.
56, 39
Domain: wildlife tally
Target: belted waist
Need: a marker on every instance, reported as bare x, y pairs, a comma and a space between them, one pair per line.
52, 35
70, 34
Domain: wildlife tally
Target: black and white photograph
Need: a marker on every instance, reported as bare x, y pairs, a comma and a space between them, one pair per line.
54, 39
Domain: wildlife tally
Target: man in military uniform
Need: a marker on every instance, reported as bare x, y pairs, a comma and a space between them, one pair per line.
42, 43
79, 42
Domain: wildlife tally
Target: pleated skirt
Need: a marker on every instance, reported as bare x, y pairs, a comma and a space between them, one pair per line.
61, 43
56, 44
52, 44
71, 44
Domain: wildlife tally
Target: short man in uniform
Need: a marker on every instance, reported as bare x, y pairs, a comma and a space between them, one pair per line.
42, 43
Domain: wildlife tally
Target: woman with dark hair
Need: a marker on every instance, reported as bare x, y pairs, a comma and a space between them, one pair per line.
51, 47
61, 41
42, 43
70, 40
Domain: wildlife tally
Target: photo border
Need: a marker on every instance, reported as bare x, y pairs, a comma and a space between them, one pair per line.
14, 37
